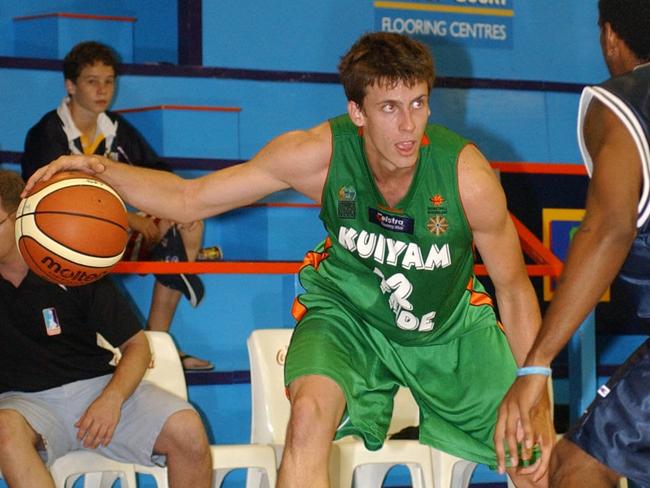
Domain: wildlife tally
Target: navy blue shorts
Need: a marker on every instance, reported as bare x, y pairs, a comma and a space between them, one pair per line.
615, 429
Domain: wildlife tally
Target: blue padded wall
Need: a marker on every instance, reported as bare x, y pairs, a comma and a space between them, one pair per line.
34, 35
552, 40
155, 31
512, 125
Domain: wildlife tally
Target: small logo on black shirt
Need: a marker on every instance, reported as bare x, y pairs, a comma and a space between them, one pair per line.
52, 325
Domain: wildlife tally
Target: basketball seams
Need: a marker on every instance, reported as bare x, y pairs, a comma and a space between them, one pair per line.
60, 185
29, 228
75, 214
27, 248
58, 270
72, 230
45, 199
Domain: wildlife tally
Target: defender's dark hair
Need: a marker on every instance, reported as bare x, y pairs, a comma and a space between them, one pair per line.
86, 54
384, 58
11, 186
630, 19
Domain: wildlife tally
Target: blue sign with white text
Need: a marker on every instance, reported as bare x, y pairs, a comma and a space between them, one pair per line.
475, 23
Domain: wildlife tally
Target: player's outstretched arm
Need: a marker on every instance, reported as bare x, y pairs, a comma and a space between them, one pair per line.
497, 241
498, 244
597, 252
297, 159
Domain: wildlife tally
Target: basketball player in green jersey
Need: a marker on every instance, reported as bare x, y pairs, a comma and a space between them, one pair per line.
390, 297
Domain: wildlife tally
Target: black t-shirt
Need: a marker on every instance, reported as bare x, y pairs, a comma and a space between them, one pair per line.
48, 332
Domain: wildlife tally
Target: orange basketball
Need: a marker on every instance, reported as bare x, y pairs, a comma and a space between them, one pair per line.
71, 229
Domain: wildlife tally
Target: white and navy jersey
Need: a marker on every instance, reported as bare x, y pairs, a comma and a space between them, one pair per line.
628, 97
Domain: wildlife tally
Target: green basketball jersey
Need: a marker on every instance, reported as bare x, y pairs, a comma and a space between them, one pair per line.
407, 270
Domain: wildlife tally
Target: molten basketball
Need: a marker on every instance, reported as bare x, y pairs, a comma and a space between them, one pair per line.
71, 229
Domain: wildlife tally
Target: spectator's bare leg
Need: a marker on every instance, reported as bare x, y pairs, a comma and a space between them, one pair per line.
20, 463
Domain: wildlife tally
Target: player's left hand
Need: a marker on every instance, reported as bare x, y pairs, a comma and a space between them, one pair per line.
525, 419
544, 436
97, 424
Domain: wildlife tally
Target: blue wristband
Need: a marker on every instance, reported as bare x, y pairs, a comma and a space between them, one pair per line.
527, 370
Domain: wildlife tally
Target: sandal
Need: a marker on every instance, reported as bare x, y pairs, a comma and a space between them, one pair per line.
198, 364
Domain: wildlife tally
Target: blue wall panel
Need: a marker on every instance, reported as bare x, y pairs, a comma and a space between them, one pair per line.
510, 125
296, 35
234, 305
155, 31
26, 96
224, 407
189, 132
552, 40
53, 36
261, 233
507, 124
560, 113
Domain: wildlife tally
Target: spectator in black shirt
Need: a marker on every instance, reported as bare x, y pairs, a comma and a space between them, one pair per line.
58, 390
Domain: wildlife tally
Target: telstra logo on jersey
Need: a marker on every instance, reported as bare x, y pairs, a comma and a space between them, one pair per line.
396, 223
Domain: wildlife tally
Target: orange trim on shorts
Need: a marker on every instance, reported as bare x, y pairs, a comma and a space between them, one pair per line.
298, 310
478, 298
312, 258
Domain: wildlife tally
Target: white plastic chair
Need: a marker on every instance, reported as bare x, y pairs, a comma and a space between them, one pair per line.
428, 467
450, 471
99, 471
167, 373
360, 467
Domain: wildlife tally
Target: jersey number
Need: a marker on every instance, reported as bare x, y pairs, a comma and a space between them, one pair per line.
399, 289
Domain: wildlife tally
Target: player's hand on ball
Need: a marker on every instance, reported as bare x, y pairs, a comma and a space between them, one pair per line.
92, 165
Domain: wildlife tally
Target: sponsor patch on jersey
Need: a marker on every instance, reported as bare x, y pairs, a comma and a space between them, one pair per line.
389, 221
437, 200
437, 205
347, 204
52, 325
437, 225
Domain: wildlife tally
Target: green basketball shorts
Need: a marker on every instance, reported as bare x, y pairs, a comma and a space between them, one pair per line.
458, 385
